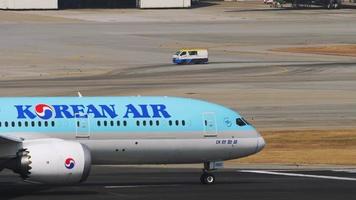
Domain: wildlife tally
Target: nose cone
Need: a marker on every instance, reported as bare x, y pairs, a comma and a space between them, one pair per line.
260, 144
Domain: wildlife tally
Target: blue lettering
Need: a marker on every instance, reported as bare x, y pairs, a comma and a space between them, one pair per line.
23, 113
132, 110
62, 111
144, 111
92, 110
108, 110
78, 111
99, 111
159, 110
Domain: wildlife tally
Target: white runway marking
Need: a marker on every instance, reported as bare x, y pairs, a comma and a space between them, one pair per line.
299, 175
136, 186
345, 170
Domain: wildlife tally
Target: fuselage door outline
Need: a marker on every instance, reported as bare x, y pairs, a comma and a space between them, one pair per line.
82, 127
209, 123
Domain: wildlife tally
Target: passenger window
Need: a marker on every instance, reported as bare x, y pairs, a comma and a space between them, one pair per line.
144, 123
98, 123
125, 123
170, 122
183, 122
157, 123
151, 123
111, 123
105, 123
138, 123
52, 123
6, 124
118, 123
33, 124
19, 124
46, 123
183, 53
13, 124
39, 123
78, 124
26, 123
177, 123
239, 122
206, 123
0, 124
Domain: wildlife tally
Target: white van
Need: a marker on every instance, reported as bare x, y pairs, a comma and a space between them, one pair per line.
191, 56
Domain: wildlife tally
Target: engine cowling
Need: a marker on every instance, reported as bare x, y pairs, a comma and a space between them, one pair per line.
53, 161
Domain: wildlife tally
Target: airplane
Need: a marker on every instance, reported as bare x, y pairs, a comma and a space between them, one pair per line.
55, 140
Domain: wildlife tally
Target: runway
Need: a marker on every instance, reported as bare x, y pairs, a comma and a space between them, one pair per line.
163, 183
301, 103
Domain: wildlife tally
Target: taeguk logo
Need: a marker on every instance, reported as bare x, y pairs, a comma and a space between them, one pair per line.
69, 163
44, 111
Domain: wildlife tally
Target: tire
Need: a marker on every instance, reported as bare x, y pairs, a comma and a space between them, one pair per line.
207, 179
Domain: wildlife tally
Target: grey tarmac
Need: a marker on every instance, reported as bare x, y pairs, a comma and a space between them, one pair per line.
108, 182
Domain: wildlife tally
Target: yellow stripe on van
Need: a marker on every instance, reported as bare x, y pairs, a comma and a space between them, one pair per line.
193, 49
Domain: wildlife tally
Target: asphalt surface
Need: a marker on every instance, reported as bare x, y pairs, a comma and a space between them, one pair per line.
127, 52
158, 183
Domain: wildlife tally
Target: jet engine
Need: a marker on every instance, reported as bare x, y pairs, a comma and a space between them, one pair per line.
53, 161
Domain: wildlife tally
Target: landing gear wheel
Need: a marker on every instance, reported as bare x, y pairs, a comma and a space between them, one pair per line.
207, 179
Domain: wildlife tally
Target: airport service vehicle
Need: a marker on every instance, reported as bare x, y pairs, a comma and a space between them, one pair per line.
268, 1
191, 56
55, 140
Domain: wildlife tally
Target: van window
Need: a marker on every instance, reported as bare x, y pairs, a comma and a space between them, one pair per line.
193, 53
183, 53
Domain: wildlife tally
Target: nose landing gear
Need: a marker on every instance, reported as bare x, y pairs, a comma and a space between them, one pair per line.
207, 178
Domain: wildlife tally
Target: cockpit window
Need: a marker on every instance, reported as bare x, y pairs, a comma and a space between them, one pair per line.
245, 121
177, 53
240, 122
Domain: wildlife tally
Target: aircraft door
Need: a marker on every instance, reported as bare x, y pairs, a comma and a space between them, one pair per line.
82, 126
210, 127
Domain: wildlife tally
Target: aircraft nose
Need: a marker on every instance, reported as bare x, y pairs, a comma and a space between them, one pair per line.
260, 144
